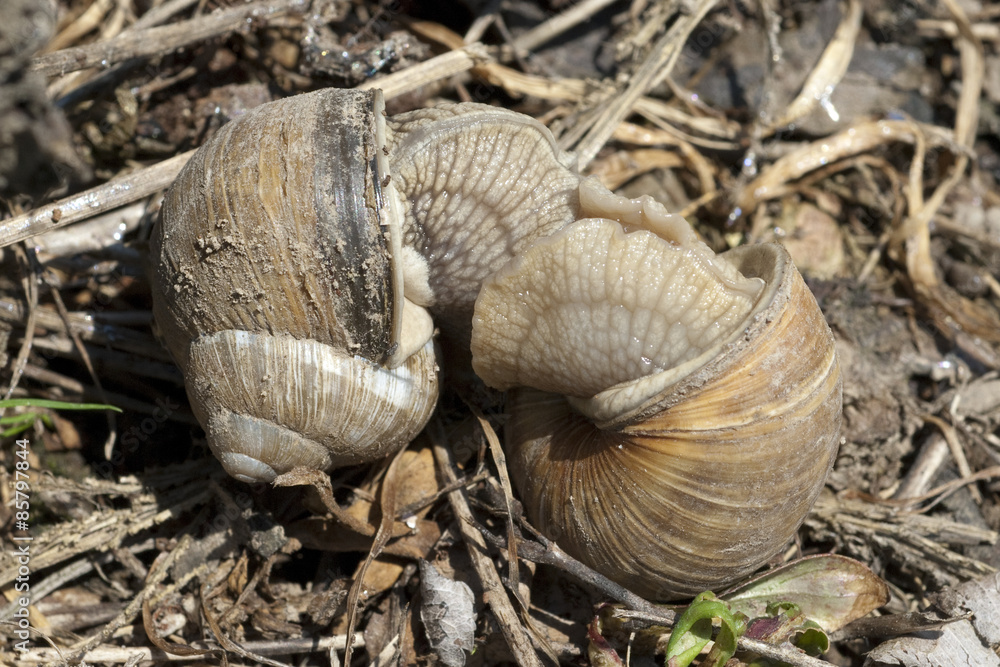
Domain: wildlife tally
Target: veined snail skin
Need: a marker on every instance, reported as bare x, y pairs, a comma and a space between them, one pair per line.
482, 185
672, 452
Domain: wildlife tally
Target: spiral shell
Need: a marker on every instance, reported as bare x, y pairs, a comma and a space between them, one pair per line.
280, 290
678, 455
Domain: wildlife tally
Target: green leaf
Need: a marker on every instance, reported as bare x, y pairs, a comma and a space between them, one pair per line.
725, 642
17, 420
776, 607
16, 430
20, 423
812, 639
693, 631
831, 590
784, 623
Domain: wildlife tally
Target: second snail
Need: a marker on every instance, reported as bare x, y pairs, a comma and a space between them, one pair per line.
673, 413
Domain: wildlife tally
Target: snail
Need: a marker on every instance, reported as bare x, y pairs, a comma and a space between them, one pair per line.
678, 440
673, 413
281, 290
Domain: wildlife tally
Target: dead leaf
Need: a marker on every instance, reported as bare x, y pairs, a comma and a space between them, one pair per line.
831, 590
448, 615
937, 648
982, 598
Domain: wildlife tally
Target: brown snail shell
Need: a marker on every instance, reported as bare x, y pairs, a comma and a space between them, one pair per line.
279, 289
701, 454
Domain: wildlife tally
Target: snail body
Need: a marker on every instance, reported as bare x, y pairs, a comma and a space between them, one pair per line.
673, 413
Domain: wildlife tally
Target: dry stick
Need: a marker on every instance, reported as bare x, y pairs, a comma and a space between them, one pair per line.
166, 592
829, 70
496, 597
403, 512
790, 656
81, 349
855, 140
957, 453
519, 84
939, 493
559, 24
106, 529
500, 460
101, 328
228, 644
145, 182
917, 227
437, 68
668, 134
513, 572
156, 576
61, 577
487, 17
937, 28
163, 39
157, 15
89, 328
929, 552
88, 393
915, 232
116, 192
113, 654
547, 552
115, 22
31, 295
92, 236
84, 90
973, 73
387, 506
930, 458
91, 18
653, 70
251, 586
648, 28
699, 166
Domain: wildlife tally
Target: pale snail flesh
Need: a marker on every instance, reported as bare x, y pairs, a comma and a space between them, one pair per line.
685, 406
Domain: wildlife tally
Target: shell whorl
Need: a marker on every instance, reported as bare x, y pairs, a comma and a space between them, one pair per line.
256, 220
